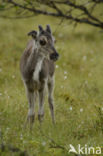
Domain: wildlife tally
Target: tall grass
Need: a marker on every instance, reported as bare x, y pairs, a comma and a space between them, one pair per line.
78, 89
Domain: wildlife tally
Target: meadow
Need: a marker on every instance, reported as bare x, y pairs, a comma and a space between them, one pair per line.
78, 89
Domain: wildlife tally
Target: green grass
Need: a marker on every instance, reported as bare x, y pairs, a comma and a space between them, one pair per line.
78, 88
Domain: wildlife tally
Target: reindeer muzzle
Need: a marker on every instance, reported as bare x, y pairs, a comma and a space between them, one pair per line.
54, 56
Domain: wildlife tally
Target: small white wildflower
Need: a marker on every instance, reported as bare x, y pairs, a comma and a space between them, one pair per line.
102, 108
84, 58
86, 82
70, 108
8, 97
60, 35
21, 137
0, 69
65, 77
61, 86
81, 110
24, 141
7, 128
65, 72
5, 92
79, 126
43, 143
0, 94
57, 66
13, 76
90, 74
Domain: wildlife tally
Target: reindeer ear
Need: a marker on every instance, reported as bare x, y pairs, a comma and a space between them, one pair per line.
48, 29
40, 28
33, 34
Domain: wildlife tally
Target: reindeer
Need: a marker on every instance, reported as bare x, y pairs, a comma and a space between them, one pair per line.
37, 69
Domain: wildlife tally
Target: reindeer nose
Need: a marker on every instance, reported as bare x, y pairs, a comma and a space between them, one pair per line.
54, 56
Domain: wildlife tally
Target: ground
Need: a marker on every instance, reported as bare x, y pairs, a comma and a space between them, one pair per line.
78, 89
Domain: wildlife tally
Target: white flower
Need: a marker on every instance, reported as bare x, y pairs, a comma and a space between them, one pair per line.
86, 82
0, 69
61, 86
65, 77
0, 94
13, 76
79, 126
65, 72
84, 58
70, 108
81, 110
24, 141
102, 108
7, 128
57, 66
5, 91
90, 74
21, 137
60, 35
43, 143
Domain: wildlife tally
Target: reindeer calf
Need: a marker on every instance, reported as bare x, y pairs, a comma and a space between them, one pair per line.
37, 69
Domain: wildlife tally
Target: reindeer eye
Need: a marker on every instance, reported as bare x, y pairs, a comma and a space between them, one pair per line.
42, 42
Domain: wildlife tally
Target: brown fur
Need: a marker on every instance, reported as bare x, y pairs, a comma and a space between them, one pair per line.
34, 57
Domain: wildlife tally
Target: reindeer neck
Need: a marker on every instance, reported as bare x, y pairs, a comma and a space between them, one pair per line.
39, 57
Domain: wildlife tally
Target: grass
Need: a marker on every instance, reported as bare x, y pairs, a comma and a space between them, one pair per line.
78, 89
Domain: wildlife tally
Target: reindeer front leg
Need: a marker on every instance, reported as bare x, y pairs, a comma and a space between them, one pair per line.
31, 114
41, 103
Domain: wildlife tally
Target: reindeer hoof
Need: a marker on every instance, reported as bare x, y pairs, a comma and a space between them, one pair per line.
30, 119
40, 117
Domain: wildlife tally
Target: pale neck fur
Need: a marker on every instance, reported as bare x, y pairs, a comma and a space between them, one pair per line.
39, 60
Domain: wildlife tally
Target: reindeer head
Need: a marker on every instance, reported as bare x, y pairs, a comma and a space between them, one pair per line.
45, 42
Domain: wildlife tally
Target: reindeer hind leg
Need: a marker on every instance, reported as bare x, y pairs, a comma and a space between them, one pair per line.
50, 98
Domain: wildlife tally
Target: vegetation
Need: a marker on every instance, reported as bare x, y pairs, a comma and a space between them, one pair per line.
75, 11
78, 90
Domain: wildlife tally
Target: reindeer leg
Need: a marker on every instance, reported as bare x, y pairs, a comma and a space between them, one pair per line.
41, 104
31, 100
50, 98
